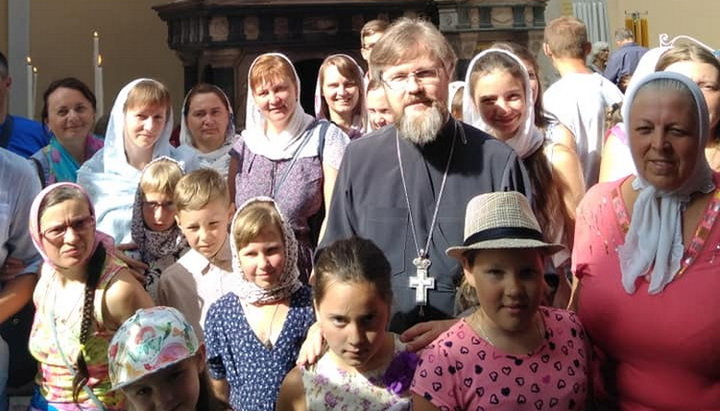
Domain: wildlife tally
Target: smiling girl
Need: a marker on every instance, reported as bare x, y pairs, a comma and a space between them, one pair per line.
253, 335
339, 94
499, 99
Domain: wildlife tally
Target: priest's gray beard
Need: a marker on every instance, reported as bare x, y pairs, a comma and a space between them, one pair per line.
423, 128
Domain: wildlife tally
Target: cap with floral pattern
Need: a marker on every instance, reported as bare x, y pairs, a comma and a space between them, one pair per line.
148, 341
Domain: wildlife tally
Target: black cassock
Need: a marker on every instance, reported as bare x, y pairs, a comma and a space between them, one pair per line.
369, 201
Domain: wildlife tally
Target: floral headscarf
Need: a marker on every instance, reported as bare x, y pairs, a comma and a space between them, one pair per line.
154, 245
288, 281
149, 341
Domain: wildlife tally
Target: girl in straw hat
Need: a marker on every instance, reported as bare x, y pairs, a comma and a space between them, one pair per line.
511, 353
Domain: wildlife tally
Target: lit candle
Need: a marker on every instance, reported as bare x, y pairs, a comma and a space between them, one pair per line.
34, 88
29, 74
96, 48
99, 94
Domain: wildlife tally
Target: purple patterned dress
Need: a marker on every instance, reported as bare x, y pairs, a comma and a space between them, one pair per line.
300, 196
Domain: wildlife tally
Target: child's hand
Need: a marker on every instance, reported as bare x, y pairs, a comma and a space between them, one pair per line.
420, 335
312, 348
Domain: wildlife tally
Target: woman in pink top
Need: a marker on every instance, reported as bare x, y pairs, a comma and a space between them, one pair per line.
646, 258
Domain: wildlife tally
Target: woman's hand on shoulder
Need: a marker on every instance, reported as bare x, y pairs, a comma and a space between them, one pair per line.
124, 296
312, 347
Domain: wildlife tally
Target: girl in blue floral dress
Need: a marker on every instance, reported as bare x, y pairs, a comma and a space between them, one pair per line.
253, 334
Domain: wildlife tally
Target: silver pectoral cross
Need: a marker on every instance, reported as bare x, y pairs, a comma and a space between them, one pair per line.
421, 282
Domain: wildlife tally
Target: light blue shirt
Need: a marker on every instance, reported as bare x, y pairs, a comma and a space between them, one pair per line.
19, 184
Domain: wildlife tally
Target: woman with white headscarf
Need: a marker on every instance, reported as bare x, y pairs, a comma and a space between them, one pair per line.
691, 60
499, 100
139, 129
286, 154
340, 95
455, 99
207, 127
646, 257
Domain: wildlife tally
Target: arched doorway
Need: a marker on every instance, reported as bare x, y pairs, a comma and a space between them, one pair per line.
308, 71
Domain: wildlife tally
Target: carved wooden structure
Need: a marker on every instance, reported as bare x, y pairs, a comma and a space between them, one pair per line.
217, 40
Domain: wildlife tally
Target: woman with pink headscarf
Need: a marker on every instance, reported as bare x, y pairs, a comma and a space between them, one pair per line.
84, 294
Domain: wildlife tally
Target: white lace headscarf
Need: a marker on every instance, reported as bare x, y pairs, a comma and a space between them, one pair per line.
289, 279
283, 145
528, 137
654, 243
218, 159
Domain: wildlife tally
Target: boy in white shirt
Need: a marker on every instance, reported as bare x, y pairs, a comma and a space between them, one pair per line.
204, 273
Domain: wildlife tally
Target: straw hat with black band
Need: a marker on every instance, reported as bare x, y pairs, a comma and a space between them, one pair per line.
501, 220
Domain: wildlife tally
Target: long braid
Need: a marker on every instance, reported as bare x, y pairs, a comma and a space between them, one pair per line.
95, 267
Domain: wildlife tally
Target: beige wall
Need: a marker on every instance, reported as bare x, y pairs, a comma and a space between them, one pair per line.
4, 24
696, 18
133, 43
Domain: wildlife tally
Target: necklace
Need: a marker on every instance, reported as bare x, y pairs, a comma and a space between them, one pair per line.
67, 315
486, 336
422, 282
268, 342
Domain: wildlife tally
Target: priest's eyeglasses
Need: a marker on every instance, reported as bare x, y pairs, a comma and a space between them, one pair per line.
400, 81
79, 226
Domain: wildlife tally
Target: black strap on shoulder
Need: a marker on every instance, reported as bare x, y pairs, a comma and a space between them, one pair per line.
40, 171
324, 125
305, 138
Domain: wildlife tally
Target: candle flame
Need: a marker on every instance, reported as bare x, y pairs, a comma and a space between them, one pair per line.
95, 34
35, 70
28, 59
99, 62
